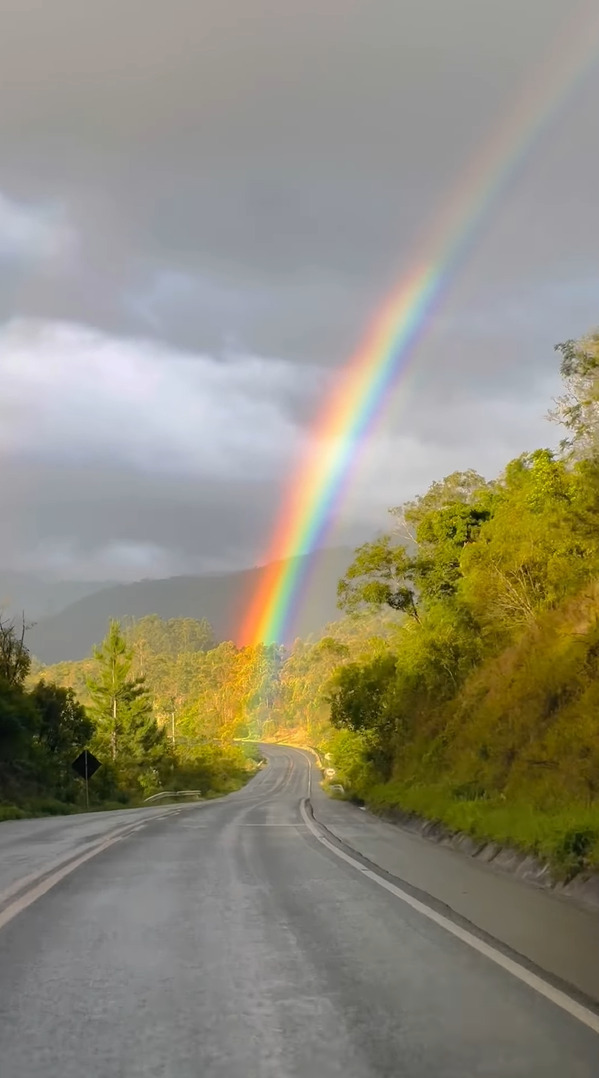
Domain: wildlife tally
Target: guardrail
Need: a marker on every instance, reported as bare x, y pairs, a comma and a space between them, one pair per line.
172, 793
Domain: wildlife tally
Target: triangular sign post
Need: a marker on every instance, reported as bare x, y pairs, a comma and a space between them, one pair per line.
85, 766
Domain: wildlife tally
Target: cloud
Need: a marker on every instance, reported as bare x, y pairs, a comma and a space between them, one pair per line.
35, 234
125, 457
72, 393
113, 521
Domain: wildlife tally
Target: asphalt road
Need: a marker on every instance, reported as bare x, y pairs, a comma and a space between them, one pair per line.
228, 941
30, 848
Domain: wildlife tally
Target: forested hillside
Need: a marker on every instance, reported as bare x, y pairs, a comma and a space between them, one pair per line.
220, 598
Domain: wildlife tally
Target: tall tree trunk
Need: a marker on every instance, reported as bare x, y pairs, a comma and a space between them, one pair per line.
113, 745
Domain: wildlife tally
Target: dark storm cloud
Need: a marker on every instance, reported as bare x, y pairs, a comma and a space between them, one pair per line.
123, 456
243, 179
120, 523
285, 151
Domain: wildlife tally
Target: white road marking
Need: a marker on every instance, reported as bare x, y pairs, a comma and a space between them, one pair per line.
544, 988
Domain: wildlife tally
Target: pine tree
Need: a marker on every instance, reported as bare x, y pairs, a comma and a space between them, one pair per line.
122, 709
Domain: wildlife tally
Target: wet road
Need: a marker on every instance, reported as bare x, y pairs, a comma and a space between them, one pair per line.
227, 941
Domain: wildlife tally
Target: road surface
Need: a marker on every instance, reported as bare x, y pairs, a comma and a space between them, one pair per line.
233, 940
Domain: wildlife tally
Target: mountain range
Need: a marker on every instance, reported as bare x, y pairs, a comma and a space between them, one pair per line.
70, 633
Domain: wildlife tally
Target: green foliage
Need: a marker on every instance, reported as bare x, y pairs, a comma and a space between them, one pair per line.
126, 730
578, 408
566, 836
176, 710
11, 812
214, 769
63, 730
15, 660
153, 635
381, 573
64, 725
538, 547
48, 727
18, 720
41, 732
444, 522
360, 696
483, 713
462, 488
301, 708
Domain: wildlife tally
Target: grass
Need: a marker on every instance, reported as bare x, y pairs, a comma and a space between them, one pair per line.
251, 751
37, 807
11, 812
567, 838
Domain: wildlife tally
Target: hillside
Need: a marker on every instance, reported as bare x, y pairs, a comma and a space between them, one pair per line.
71, 633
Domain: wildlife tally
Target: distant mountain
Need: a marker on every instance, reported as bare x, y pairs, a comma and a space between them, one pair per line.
71, 633
39, 598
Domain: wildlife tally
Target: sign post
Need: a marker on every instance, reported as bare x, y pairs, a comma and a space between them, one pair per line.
85, 766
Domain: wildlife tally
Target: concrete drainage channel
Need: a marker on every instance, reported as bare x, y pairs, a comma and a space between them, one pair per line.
582, 888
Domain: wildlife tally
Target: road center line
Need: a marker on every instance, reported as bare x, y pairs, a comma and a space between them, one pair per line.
538, 984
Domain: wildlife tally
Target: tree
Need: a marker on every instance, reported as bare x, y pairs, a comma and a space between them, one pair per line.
15, 660
64, 726
539, 545
17, 715
382, 572
122, 709
463, 487
62, 730
578, 408
358, 695
152, 635
362, 700
443, 534
18, 721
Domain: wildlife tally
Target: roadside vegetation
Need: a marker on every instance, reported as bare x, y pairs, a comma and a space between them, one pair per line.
483, 712
142, 704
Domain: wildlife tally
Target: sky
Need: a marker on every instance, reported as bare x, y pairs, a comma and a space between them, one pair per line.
202, 207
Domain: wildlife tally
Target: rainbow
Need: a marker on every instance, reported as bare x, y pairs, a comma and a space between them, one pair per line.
366, 382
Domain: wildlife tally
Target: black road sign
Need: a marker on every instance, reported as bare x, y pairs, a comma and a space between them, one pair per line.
86, 764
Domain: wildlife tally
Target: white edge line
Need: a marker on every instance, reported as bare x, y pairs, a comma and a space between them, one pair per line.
544, 988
